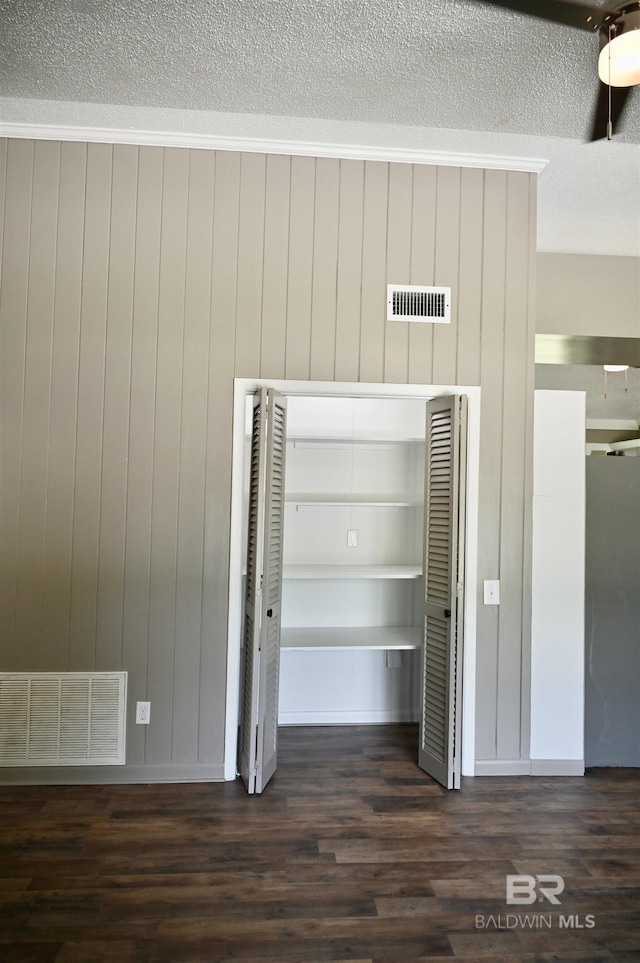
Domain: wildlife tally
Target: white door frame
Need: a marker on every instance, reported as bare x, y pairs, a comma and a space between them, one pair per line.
246, 386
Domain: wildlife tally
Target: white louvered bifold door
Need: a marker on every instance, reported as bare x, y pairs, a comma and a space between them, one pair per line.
259, 725
445, 467
271, 592
251, 638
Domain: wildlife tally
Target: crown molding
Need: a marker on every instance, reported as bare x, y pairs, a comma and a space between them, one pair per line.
151, 138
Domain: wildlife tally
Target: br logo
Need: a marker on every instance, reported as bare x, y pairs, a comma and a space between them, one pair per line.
524, 890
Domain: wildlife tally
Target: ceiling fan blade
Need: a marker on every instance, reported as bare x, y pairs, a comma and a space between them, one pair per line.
619, 96
573, 13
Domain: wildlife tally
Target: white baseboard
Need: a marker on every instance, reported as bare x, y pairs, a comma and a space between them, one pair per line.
557, 767
107, 775
503, 767
530, 767
364, 717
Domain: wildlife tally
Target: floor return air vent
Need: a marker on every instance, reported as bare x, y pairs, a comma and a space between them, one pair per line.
414, 302
62, 719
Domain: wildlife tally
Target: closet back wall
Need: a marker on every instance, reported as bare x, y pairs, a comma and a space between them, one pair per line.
136, 283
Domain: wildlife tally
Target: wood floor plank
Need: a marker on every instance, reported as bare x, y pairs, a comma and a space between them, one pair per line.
30, 953
351, 854
100, 951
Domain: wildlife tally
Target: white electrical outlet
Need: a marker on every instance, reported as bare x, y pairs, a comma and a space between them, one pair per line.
143, 713
352, 538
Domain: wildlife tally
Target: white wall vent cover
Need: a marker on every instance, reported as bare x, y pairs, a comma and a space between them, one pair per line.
413, 302
62, 719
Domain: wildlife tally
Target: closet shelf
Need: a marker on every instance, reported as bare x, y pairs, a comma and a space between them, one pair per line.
351, 571
362, 438
342, 500
367, 637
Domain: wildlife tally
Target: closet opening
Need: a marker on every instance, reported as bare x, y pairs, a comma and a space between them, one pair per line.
351, 591
344, 554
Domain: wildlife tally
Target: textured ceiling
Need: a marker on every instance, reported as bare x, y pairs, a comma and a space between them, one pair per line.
432, 63
455, 65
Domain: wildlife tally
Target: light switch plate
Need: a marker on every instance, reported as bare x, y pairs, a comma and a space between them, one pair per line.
492, 591
352, 538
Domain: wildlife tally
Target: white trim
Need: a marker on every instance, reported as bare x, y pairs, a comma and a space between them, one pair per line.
503, 767
557, 767
631, 445
472, 512
530, 767
243, 386
611, 424
265, 145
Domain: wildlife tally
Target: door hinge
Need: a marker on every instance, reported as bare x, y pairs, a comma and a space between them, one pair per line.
459, 589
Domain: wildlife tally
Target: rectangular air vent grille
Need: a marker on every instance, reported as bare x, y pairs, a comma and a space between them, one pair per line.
62, 719
413, 302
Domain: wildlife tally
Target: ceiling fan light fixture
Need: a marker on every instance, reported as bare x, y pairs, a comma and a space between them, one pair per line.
619, 60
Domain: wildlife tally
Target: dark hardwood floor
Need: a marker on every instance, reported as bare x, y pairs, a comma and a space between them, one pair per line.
351, 854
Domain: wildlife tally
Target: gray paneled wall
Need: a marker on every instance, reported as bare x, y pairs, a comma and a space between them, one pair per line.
612, 612
136, 282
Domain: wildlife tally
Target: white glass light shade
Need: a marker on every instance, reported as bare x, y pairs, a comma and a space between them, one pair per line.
615, 367
619, 61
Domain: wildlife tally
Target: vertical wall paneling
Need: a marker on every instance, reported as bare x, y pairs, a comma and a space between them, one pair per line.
63, 409
373, 271
117, 388
423, 252
193, 448
224, 280
13, 321
491, 375
135, 283
88, 473
300, 274
447, 262
349, 282
276, 266
137, 559
469, 283
515, 442
37, 378
325, 270
4, 146
527, 555
250, 263
4, 149
166, 454
399, 236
